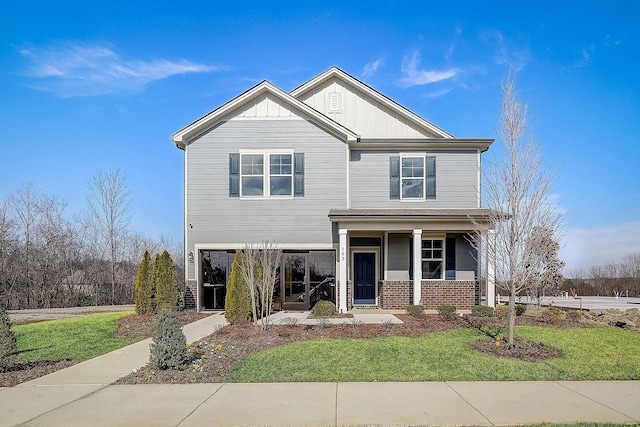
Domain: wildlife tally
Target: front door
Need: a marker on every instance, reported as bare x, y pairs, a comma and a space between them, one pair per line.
364, 283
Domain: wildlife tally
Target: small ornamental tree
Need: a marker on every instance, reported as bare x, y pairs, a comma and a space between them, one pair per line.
145, 286
165, 278
169, 346
237, 303
8, 342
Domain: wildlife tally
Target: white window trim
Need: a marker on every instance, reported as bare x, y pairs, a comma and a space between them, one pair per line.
266, 175
424, 177
441, 237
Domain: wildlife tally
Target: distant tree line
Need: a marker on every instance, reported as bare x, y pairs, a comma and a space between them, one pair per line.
51, 258
608, 278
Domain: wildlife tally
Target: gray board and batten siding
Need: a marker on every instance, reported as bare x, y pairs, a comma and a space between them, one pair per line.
456, 180
219, 219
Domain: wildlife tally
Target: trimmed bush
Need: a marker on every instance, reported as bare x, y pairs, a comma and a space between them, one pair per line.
446, 310
8, 342
520, 309
482, 311
144, 286
169, 346
237, 302
415, 310
324, 309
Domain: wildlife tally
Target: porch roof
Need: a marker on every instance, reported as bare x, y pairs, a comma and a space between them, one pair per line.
411, 218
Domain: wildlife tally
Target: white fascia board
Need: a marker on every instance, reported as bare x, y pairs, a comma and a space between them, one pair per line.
388, 102
181, 137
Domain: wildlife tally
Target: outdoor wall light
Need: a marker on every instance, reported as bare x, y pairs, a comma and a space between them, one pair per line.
190, 257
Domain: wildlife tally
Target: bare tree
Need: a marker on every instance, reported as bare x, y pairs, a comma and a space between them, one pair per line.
259, 269
108, 201
517, 192
546, 275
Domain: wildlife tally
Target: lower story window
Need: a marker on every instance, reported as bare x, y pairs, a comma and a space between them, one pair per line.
432, 258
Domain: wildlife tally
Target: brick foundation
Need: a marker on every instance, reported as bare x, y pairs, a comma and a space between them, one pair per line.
396, 295
190, 292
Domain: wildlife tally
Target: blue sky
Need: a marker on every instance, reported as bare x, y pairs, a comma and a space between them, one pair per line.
102, 85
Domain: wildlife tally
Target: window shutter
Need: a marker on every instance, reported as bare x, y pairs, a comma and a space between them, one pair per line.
431, 177
234, 175
298, 179
394, 177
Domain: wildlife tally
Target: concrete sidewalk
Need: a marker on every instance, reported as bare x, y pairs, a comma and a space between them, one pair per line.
82, 396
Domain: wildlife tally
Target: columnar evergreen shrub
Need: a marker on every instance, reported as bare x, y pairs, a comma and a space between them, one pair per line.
237, 303
165, 281
8, 342
169, 346
145, 286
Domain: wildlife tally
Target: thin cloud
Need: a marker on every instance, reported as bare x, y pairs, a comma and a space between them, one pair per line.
83, 70
371, 68
582, 251
505, 52
413, 76
587, 53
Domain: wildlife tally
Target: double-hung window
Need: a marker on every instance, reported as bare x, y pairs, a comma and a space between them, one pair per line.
412, 178
270, 174
432, 258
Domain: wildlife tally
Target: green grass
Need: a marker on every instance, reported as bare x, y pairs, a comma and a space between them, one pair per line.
77, 338
588, 354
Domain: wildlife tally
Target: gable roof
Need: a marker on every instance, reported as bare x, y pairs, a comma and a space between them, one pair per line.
182, 137
335, 72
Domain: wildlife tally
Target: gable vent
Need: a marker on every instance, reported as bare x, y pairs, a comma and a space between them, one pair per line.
334, 102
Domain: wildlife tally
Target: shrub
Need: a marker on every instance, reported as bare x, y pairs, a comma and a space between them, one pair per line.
552, 315
165, 281
482, 311
415, 310
144, 286
520, 309
169, 347
8, 342
574, 315
237, 302
324, 308
502, 310
446, 310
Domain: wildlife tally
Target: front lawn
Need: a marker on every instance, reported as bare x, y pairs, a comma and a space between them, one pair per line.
77, 338
599, 353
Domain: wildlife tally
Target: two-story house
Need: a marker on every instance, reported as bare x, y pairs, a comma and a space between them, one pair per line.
359, 193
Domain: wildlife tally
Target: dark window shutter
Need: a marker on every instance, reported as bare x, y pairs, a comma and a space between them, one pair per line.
234, 175
431, 177
394, 177
450, 259
298, 178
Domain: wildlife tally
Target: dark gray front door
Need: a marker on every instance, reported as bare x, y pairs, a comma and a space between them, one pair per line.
364, 272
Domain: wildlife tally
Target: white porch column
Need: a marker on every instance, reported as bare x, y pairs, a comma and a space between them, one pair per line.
342, 283
491, 272
417, 266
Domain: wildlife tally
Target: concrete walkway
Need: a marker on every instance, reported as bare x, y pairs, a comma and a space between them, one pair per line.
82, 396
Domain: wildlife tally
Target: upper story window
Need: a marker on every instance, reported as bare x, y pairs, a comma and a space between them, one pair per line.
412, 177
255, 175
